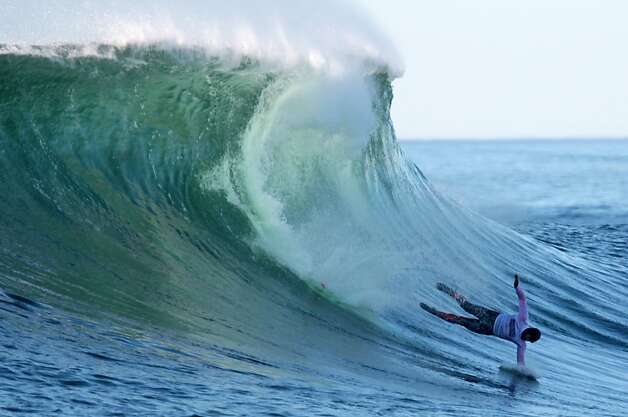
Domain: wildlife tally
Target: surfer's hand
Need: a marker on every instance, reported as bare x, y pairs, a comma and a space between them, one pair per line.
516, 284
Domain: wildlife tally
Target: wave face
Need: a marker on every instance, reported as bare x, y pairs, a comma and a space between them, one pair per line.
267, 217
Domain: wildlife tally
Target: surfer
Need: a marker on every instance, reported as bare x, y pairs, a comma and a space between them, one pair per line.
512, 327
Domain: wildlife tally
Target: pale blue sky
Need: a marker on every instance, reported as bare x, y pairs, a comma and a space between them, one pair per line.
505, 68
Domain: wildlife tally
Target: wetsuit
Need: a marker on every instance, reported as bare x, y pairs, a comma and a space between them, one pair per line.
489, 322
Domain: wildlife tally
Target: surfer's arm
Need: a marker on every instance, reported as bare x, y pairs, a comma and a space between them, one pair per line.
521, 354
523, 305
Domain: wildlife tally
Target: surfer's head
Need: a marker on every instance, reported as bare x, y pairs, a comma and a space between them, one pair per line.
531, 334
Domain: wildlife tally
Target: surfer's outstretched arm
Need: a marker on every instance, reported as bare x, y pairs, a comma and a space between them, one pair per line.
523, 305
521, 354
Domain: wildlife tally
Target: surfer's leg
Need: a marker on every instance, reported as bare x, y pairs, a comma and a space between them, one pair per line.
460, 299
452, 318
474, 325
478, 311
485, 316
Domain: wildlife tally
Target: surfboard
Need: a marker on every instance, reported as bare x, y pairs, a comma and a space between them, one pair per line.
520, 372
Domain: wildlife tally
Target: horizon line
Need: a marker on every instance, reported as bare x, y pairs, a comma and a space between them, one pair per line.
512, 139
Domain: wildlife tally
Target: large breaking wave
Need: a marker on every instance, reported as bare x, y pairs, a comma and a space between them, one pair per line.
239, 200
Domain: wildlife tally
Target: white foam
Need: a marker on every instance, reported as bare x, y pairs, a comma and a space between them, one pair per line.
521, 371
324, 34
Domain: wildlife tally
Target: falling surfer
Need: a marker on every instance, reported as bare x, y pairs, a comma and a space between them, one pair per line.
512, 327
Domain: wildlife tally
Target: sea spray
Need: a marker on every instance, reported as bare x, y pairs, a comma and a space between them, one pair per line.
327, 35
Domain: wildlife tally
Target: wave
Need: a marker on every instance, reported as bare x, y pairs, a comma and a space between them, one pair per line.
238, 202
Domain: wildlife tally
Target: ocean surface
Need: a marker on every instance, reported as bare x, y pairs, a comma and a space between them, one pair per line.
186, 235
570, 194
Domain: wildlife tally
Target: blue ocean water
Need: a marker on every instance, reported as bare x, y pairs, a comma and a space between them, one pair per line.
565, 181
185, 235
571, 194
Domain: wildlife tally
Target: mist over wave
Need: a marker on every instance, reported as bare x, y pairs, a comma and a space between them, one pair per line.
327, 34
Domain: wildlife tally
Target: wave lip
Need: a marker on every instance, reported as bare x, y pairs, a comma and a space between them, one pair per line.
326, 35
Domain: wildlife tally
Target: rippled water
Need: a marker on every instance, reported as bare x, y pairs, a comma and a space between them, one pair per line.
179, 236
565, 181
